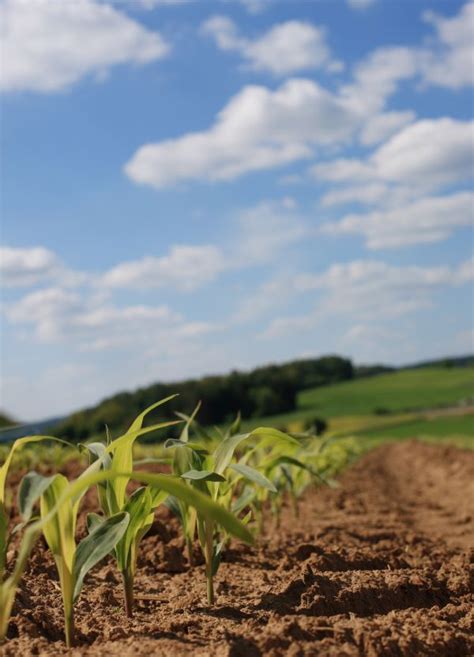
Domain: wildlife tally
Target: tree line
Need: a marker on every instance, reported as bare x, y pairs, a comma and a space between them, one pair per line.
264, 391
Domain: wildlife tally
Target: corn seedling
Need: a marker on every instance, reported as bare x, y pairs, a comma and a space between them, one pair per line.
214, 474
72, 561
140, 505
5, 535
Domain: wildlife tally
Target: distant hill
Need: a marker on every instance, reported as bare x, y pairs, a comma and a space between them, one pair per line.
268, 391
14, 430
449, 361
6, 421
263, 391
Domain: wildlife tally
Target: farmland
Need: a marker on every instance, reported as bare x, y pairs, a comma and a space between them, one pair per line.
398, 404
242, 541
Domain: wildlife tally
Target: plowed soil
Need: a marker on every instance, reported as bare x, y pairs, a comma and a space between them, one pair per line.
380, 566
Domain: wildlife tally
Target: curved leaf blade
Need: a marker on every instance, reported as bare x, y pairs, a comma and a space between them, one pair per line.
254, 476
96, 546
202, 475
32, 486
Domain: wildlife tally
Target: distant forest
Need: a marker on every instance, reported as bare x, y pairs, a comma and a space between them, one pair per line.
263, 391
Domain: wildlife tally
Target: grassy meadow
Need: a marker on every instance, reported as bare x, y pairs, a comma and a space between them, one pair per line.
426, 402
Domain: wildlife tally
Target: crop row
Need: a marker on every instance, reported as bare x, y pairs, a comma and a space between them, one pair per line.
219, 486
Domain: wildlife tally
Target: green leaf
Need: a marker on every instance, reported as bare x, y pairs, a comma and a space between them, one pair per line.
99, 452
138, 507
151, 460
268, 436
189, 420
19, 443
93, 520
176, 442
235, 426
254, 476
3, 541
203, 504
96, 546
216, 557
122, 451
138, 421
172, 503
202, 475
243, 500
59, 531
32, 486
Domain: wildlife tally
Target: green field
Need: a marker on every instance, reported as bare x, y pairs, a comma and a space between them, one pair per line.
405, 390
388, 406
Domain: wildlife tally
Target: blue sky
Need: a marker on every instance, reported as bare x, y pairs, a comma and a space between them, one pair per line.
191, 187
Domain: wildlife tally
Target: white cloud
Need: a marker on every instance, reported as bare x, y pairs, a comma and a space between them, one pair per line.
284, 49
267, 230
185, 268
425, 220
49, 45
259, 235
432, 152
367, 194
254, 6
427, 154
377, 76
20, 267
450, 64
90, 324
360, 4
381, 126
257, 129
367, 290
445, 59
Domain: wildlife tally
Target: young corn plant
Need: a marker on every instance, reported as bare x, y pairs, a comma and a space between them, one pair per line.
32, 488
8, 584
5, 534
73, 561
116, 457
213, 473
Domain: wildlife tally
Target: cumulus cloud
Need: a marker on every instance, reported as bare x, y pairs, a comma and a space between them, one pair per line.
89, 323
259, 235
366, 290
21, 267
48, 46
444, 60
428, 154
382, 126
425, 220
267, 230
286, 48
451, 63
377, 76
360, 4
258, 129
185, 268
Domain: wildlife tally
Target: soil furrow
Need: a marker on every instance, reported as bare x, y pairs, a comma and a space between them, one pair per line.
380, 566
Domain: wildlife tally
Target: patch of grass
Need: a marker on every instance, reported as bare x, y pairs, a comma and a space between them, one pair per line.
396, 392
439, 427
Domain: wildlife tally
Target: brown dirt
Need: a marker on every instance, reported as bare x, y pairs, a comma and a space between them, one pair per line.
379, 566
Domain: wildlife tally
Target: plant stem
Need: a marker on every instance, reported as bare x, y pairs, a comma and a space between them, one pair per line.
69, 625
67, 589
189, 548
296, 509
209, 555
127, 576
